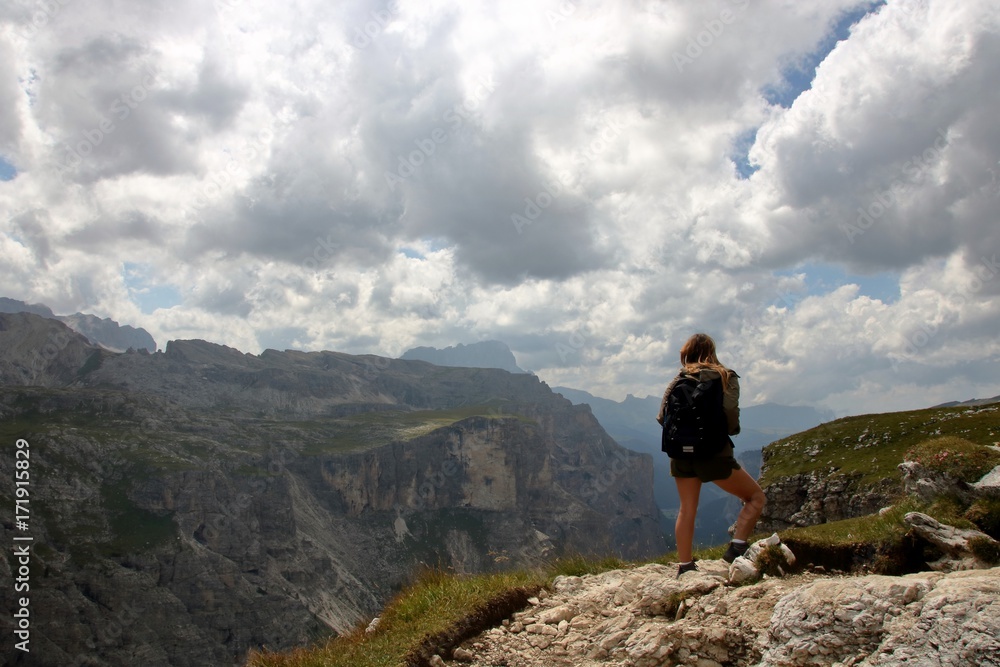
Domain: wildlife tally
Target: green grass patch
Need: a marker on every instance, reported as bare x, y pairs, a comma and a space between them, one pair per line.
871, 446
985, 514
376, 429
772, 562
133, 529
882, 543
876, 529
985, 550
956, 457
578, 566
429, 607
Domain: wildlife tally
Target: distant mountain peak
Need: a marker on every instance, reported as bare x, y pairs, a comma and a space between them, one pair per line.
103, 332
484, 354
971, 403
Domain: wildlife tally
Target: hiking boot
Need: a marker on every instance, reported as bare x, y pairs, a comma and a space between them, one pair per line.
735, 551
686, 567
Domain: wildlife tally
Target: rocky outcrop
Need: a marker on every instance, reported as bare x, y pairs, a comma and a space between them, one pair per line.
954, 543
989, 485
928, 484
818, 497
922, 619
647, 617
191, 505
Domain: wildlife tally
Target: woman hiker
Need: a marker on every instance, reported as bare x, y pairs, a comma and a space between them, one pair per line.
699, 364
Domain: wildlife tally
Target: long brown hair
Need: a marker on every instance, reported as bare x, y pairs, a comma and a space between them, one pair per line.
698, 353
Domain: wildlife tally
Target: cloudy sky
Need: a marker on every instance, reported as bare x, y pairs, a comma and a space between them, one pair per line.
815, 184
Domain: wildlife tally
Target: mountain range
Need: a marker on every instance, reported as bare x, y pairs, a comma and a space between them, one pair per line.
192, 504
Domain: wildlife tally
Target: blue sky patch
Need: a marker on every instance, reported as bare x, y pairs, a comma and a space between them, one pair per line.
795, 80
798, 76
282, 338
825, 278
741, 150
7, 171
147, 295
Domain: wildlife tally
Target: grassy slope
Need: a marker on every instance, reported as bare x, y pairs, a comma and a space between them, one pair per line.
873, 445
438, 609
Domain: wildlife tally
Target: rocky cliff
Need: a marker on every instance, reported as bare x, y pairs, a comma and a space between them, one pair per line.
193, 504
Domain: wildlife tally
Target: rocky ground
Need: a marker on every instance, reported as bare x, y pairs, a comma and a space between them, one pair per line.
646, 617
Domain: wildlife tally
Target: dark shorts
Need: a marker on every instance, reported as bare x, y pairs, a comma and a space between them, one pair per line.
707, 470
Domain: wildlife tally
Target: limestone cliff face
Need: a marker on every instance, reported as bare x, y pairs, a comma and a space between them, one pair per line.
529, 494
819, 497
194, 504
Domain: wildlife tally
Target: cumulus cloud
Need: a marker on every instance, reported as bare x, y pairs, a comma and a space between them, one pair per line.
886, 161
570, 177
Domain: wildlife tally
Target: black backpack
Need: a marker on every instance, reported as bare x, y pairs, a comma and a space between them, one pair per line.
694, 424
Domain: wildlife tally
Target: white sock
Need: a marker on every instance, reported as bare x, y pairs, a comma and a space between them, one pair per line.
739, 541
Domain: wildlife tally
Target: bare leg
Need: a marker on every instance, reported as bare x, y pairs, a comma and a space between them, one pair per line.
746, 488
689, 489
